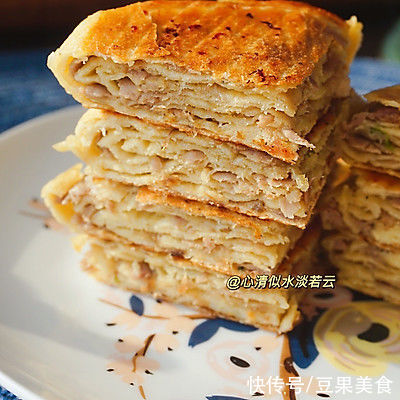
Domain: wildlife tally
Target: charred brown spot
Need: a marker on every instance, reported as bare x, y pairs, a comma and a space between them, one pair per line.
134, 28
194, 26
171, 31
260, 73
271, 26
228, 28
217, 35
177, 253
250, 15
201, 52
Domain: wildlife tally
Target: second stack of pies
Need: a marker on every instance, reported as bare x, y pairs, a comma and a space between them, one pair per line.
362, 214
207, 146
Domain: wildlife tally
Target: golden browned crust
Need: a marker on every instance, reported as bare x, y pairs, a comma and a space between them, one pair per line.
369, 167
386, 182
389, 96
375, 176
247, 43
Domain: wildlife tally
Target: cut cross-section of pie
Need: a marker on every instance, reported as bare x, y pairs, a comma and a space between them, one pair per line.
373, 135
184, 251
239, 178
178, 280
254, 73
206, 235
362, 219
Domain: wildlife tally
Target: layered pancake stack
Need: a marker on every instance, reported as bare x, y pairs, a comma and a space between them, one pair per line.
207, 143
362, 213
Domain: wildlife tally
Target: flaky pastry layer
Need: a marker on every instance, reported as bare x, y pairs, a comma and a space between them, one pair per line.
373, 135
207, 235
178, 280
237, 177
365, 267
361, 217
366, 204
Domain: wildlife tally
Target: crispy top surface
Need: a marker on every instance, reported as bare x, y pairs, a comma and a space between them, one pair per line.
250, 43
389, 96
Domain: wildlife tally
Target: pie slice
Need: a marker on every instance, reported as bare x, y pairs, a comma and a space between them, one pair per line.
367, 204
254, 73
245, 180
206, 235
176, 279
363, 267
373, 137
362, 218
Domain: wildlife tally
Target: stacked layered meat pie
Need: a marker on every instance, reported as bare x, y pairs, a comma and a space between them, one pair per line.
207, 143
362, 213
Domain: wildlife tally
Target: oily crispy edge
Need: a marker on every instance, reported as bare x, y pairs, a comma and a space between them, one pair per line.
369, 167
388, 96
55, 190
388, 183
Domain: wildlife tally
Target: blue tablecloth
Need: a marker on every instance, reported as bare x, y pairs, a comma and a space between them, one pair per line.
27, 87
27, 90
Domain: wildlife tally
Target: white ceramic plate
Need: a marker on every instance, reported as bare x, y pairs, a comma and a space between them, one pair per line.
58, 339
